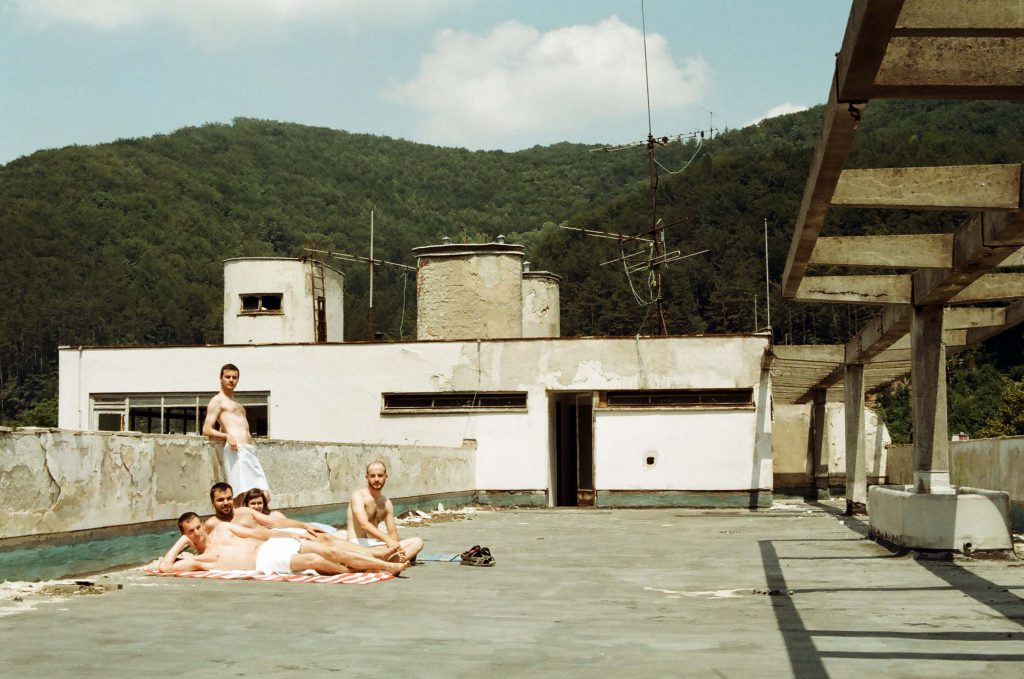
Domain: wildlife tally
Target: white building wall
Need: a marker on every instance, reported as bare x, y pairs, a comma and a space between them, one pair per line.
332, 392
334, 291
876, 441
702, 450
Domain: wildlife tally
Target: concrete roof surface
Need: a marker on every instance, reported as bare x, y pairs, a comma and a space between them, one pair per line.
791, 591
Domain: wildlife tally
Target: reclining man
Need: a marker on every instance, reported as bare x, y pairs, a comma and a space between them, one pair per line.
233, 547
221, 496
368, 508
193, 536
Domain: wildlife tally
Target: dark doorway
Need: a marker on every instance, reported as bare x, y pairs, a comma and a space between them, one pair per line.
573, 431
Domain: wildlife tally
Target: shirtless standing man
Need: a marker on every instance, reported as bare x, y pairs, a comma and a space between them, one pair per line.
232, 547
368, 507
243, 468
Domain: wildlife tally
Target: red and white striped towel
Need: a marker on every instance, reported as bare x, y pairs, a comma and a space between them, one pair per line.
308, 576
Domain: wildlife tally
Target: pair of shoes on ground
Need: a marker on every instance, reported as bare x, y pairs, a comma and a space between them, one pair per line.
477, 556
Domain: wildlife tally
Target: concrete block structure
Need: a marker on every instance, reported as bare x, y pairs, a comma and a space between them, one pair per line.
965, 520
277, 299
469, 291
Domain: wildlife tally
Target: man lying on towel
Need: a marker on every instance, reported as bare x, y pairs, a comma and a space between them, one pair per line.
369, 507
221, 495
232, 547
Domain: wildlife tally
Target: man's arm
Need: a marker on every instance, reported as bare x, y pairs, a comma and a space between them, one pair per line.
167, 562
190, 563
282, 522
259, 533
389, 521
359, 516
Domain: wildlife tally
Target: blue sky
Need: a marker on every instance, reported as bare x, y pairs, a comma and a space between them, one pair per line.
480, 74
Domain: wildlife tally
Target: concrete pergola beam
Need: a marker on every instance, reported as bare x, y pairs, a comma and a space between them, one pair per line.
963, 318
868, 31
993, 287
956, 187
912, 251
986, 241
871, 289
878, 334
951, 67
987, 18
1013, 315
897, 251
838, 131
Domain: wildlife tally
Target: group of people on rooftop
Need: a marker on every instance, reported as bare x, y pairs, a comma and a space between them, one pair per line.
244, 534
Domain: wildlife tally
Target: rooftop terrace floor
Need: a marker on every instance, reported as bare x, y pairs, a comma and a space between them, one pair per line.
791, 591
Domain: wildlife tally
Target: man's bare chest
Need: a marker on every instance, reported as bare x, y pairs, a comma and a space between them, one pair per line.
232, 407
375, 512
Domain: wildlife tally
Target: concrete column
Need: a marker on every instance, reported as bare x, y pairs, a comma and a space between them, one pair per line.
819, 460
853, 406
928, 386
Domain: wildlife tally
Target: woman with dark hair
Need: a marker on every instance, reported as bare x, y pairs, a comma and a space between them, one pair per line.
256, 500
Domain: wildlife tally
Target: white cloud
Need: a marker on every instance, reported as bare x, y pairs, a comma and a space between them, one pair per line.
780, 110
214, 23
479, 88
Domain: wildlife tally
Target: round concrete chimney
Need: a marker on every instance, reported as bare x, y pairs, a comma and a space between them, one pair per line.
469, 291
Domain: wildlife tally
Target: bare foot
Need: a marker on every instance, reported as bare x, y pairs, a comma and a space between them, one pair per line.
382, 552
386, 553
397, 568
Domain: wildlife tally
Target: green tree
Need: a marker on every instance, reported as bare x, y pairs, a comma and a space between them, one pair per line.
1008, 419
894, 405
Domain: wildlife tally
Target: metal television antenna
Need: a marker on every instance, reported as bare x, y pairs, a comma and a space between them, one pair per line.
655, 253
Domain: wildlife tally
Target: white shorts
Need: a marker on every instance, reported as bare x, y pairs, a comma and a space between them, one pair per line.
275, 556
243, 469
366, 542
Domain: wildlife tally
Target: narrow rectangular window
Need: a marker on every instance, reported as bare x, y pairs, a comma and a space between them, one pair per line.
454, 401
679, 398
262, 303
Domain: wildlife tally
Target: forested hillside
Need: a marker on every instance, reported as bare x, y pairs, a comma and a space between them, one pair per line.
123, 243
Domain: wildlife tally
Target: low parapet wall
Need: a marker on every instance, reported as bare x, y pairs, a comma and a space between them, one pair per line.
58, 481
993, 464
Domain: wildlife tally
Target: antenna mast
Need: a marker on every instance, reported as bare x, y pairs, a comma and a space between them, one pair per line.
369, 313
312, 250
654, 237
652, 171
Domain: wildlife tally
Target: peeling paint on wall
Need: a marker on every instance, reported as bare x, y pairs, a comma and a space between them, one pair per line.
54, 480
